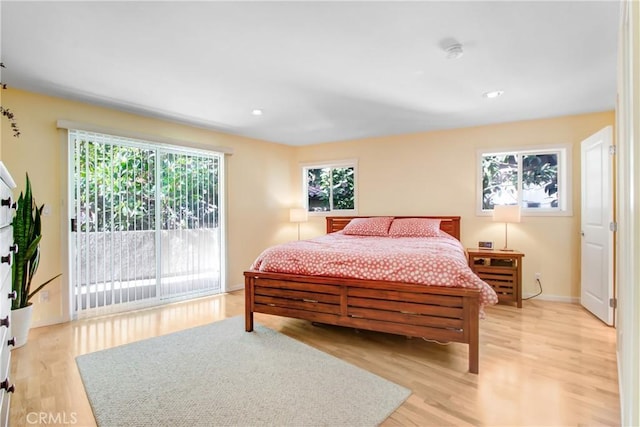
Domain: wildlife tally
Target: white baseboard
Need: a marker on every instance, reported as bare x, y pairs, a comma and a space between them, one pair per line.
236, 287
556, 298
49, 322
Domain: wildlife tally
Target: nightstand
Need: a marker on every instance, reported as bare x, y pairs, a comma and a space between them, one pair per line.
500, 269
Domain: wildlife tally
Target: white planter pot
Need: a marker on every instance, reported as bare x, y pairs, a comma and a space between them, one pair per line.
20, 324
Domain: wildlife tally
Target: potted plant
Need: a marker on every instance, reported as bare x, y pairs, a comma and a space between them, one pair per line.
27, 233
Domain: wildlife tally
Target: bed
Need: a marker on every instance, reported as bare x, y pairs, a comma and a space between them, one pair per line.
439, 313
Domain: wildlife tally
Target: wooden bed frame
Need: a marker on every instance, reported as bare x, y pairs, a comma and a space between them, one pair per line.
433, 312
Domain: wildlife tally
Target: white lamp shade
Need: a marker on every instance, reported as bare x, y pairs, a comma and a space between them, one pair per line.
297, 215
506, 213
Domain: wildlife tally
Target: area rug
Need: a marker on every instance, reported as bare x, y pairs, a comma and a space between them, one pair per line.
220, 375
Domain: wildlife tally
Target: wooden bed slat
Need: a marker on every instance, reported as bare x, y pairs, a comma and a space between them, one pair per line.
407, 319
407, 330
418, 297
298, 314
318, 288
337, 223
300, 295
297, 304
425, 309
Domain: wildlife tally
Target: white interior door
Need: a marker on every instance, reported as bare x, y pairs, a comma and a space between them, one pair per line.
597, 217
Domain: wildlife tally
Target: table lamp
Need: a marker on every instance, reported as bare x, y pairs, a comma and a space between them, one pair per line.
506, 214
298, 215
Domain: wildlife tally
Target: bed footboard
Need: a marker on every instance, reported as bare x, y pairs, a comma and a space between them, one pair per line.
439, 313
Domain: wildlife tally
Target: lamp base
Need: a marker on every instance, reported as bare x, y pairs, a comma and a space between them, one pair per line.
507, 250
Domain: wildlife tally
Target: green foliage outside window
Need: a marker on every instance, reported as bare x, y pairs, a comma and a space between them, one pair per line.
330, 189
499, 179
116, 188
528, 179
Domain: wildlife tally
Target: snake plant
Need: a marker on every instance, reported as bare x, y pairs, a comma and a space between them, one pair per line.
27, 233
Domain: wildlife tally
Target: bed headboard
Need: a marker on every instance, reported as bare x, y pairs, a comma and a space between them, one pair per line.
449, 224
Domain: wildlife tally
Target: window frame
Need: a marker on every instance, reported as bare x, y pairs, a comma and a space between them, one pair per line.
565, 174
330, 164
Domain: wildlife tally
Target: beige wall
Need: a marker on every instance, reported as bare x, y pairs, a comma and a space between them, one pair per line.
258, 182
435, 173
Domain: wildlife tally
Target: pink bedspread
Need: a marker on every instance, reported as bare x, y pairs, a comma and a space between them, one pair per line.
438, 261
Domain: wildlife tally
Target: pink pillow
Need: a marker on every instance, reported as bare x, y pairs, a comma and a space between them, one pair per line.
376, 226
415, 227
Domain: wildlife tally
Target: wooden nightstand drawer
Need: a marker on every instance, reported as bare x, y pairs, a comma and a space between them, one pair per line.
501, 279
502, 270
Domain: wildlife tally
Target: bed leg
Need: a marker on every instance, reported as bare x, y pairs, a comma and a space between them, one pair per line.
248, 303
248, 322
473, 358
472, 316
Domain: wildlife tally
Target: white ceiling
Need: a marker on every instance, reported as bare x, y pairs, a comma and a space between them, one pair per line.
321, 71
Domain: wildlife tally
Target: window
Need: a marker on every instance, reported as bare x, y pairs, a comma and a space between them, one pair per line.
330, 187
535, 179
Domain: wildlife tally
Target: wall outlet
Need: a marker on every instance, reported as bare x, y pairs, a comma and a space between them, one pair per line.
44, 296
538, 276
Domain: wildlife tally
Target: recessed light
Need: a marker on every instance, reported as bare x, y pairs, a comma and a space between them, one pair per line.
493, 94
256, 112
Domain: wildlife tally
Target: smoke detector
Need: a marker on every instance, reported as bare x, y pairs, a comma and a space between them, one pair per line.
454, 51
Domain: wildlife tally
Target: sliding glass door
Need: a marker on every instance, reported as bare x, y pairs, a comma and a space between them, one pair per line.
145, 223
190, 230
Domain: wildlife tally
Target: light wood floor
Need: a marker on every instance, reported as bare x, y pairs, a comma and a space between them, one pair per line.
548, 363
